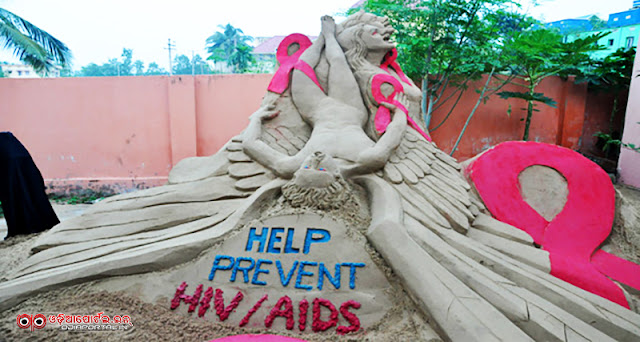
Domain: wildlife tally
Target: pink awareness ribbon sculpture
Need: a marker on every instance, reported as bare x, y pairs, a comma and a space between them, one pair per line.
390, 61
383, 115
280, 81
573, 236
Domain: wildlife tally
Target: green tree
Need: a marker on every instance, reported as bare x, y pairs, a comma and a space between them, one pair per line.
611, 75
200, 65
448, 43
90, 70
597, 23
230, 46
242, 58
32, 45
153, 69
126, 66
182, 65
537, 54
138, 67
114, 67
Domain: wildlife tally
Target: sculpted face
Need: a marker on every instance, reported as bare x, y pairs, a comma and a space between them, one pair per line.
365, 32
377, 37
318, 171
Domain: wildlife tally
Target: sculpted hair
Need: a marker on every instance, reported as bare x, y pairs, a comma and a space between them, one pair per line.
338, 195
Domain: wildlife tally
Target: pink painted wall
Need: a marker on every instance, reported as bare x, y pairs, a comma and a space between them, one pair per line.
223, 106
629, 162
124, 132
492, 125
118, 133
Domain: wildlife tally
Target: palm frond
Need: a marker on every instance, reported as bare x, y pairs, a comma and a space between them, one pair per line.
23, 37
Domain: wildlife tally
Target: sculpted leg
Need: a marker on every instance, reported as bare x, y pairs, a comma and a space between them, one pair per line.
342, 83
305, 93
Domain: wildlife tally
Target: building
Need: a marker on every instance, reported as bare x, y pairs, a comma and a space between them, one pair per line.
265, 52
18, 71
24, 71
568, 26
623, 29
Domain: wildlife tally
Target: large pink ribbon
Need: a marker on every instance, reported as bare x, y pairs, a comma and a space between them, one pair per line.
572, 237
390, 61
383, 115
280, 81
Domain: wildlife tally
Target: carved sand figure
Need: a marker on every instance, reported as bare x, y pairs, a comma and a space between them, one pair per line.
337, 118
474, 278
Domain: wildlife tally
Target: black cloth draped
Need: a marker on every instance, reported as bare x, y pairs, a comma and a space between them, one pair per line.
22, 190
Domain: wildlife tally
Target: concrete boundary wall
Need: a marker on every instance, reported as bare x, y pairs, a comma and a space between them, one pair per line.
122, 133
629, 162
492, 124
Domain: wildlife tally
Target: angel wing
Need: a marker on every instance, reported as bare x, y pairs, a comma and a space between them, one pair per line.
160, 227
477, 278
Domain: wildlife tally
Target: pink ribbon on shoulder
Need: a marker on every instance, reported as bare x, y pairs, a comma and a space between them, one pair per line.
390, 61
280, 81
383, 115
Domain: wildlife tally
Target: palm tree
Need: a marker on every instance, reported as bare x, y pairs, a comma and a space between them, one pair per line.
242, 58
32, 45
229, 45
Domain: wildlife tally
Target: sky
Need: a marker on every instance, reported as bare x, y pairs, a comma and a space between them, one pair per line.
97, 30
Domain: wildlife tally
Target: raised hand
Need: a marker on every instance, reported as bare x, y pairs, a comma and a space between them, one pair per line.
328, 25
401, 98
266, 113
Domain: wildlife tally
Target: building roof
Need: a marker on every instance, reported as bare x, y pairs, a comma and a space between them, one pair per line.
570, 25
269, 46
358, 4
626, 18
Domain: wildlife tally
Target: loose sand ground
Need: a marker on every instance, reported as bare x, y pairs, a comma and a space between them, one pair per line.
154, 322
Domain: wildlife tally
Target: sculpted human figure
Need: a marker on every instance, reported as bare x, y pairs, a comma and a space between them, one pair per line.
337, 118
365, 39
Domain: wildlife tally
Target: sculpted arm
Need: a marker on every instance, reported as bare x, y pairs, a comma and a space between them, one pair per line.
251, 143
281, 164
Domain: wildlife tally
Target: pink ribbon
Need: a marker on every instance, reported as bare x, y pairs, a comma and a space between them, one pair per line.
390, 61
308, 70
280, 81
383, 115
573, 236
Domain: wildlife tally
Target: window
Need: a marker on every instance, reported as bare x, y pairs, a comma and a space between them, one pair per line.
615, 19
19, 72
628, 17
629, 42
564, 39
610, 42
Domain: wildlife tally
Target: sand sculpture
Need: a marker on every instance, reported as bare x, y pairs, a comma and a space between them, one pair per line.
332, 213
